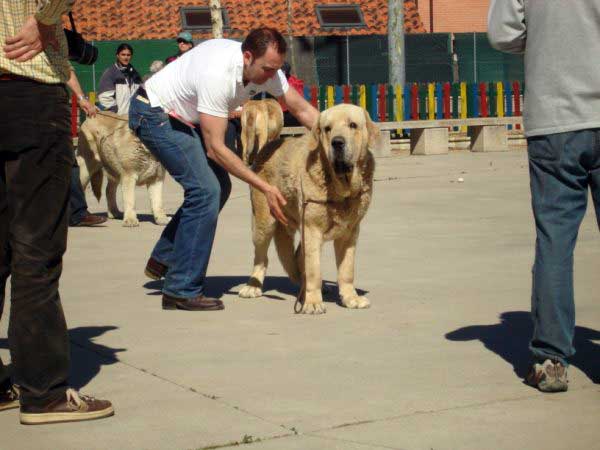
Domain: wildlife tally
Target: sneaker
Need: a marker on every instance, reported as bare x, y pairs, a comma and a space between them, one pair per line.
9, 398
551, 376
71, 408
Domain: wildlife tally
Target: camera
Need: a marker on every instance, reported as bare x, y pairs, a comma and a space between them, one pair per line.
80, 51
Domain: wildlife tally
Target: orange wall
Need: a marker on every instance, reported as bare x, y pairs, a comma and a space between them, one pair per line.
455, 16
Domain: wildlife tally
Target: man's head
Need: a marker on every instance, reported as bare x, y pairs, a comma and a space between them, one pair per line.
184, 41
264, 53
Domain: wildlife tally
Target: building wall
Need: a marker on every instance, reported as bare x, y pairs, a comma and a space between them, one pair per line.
455, 16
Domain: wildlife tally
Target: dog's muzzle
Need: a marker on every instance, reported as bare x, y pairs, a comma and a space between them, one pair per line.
340, 164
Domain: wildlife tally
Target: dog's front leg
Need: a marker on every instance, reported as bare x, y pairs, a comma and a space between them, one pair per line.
311, 256
128, 183
345, 249
111, 199
155, 191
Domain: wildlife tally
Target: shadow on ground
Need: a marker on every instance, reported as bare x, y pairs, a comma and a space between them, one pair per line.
87, 356
218, 286
509, 339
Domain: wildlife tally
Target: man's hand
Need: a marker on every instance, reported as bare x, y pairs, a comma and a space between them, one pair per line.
32, 39
276, 203
87, 107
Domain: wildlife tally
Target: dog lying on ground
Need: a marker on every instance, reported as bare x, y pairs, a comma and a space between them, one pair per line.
106, 144
326, 176
262, 121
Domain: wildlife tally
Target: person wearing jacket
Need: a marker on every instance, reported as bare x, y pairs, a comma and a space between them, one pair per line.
561, 43
119, 82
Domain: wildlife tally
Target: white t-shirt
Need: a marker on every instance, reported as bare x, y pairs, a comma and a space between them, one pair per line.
208, 79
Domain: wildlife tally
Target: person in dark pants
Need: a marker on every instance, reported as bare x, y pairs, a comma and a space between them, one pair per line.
36, 157
79, 215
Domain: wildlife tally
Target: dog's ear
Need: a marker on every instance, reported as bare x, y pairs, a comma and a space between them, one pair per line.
315, 135
373, 131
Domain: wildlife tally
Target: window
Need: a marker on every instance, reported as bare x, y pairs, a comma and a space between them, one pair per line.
198, 18
349, 16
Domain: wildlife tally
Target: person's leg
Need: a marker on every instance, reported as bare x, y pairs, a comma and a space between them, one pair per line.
5, 380
77, 204
594, 169
37, 195
192, 232
559, 198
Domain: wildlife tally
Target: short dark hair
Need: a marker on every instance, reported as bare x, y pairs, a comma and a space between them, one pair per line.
124, 46
260, 39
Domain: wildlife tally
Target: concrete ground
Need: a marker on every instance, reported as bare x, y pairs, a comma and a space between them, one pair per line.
436, 363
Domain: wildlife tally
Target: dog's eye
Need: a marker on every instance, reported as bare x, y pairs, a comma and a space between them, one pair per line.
353, 125
327, 129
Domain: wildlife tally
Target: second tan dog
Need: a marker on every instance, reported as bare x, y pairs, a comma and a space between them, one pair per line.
262, 121
326, 176
106, 144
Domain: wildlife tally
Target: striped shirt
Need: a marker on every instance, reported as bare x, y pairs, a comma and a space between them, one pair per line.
50, 66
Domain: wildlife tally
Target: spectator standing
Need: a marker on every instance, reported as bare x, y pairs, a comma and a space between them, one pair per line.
119, 82
561, 43
185, 44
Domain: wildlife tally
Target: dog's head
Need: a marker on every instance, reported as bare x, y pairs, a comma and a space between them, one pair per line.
345, 133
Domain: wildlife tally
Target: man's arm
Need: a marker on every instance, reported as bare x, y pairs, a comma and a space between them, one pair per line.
75, 87
38, 31
507, 30
213, 131
306, 114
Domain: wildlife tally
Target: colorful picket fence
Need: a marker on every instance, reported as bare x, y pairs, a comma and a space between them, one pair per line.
424, 101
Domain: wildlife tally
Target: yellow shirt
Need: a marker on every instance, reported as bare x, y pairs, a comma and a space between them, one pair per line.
51, 65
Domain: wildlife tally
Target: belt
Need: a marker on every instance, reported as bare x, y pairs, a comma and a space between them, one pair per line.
142, 95
13, 77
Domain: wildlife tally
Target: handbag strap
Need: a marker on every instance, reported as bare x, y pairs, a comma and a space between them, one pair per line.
72, 22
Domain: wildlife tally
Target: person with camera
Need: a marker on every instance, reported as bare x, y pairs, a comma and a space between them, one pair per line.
36, 156
119, 82
182, 117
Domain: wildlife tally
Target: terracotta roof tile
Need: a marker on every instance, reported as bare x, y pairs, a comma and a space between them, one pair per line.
160, 19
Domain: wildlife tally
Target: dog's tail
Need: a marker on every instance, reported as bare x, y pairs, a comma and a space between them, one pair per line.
284, 243
97, 179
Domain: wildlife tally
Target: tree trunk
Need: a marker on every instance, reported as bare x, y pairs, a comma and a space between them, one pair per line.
216, 18
396, 42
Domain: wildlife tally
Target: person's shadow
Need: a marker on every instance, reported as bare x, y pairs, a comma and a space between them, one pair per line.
87, 357
509, 339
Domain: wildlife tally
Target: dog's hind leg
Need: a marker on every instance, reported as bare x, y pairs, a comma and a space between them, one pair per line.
128, 183
263, 228
155, 190
345, 249
111, 199
284, 243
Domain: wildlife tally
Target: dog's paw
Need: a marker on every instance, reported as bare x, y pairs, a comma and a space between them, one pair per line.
131, 221
313, 308
250, 292
356, 302
162, 220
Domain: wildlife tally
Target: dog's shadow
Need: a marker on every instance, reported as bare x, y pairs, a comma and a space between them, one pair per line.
218, 286
87, 356
509, 339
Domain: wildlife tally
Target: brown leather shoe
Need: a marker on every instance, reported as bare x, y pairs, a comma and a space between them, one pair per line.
155, 270
9, 398
70, 408
200, 303
90, 220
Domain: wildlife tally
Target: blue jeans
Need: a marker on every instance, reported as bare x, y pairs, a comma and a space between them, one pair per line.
186, 242
78, 207
561, 166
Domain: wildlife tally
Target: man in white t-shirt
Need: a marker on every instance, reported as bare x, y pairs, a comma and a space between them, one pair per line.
182, 115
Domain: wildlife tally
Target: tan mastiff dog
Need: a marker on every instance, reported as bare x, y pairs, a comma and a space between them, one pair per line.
326, 176
262, 121
106, 144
